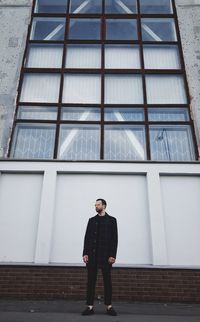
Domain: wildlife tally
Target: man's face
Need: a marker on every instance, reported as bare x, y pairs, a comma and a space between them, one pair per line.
99, 207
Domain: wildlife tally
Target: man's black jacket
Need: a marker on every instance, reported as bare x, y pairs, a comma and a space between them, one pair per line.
101, 244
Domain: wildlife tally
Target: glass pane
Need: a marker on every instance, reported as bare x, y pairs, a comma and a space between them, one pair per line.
79, 142
173, 143
37, 112
83, 6
121, 29
44, 56
118, 6
161, 57
156, 6
48, 29
80, 114
165, 89
40, 88
168, 114
125, 142
83, 56
33, 141
84, 29
79, 88
51, 6
158, 29
123, 89
124, 114
122, 56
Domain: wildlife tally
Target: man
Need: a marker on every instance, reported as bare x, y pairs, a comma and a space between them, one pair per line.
100, 248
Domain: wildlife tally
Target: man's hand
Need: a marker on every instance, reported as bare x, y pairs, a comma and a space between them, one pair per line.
111, 260
85, 259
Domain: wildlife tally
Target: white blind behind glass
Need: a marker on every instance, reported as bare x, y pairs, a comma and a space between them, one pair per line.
161, 57
83, 56
45, 56
42, 88
122, 56
120, 89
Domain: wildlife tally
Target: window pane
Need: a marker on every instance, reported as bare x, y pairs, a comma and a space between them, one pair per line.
173, 143
48, 29
122, 56
158, 29
40, 88
168, 114
80, 114
83, 6
84, 29
161, 57
165, 89
83, 56
82, 88
44, 56
79, 142
121, 29
37, 112
118, 6
123, 89
124, 114
51, 6
33, 141
156, 6
124, 142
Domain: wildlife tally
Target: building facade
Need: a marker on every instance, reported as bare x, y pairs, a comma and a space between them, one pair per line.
100, 99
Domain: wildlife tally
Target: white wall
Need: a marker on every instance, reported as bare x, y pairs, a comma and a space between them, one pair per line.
45, 206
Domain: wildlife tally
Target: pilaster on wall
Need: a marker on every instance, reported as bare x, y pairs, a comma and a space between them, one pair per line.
15, 17
188, 12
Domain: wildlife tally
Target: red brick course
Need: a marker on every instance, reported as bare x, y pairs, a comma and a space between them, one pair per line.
129, 284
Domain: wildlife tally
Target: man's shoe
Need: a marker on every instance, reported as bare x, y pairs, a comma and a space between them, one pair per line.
111, 311
88, 311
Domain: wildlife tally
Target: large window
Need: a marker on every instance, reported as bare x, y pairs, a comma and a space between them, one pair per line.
103, 80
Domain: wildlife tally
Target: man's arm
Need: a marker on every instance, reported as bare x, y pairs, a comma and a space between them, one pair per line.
114, 239
86, 240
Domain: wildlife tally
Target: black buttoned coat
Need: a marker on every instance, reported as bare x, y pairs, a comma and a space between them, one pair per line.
107, 241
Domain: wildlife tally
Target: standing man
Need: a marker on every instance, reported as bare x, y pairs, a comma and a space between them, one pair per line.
100, 248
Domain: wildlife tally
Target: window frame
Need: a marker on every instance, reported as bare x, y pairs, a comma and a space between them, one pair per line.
102, 42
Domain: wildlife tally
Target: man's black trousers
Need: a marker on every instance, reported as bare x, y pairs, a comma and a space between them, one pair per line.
91, 283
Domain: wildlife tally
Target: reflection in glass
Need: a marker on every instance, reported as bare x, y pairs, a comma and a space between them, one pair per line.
82, 88
84, 28
51, 6
123, 89
168, 114
44, 56
121, 6
156, 6
83, 56
122, 56
48, 28
172, 143
33, 141
161, 57
124, 114
79, 142
158, 29
124, 142
43, 87
85, 6
80, 114
37, 112
165, 89
121, 29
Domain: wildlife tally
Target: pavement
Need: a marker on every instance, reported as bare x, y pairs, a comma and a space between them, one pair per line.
70, 311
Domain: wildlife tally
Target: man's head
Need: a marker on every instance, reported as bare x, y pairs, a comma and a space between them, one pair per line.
100, 205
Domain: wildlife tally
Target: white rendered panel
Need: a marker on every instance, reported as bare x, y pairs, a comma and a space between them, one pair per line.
182, 219
75, 199
19, 211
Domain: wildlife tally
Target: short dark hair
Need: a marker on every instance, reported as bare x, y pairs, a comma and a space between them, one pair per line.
103, 201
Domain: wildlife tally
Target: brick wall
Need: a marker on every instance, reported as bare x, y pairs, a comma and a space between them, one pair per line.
134, 284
